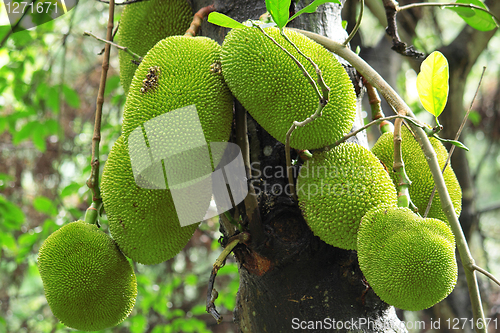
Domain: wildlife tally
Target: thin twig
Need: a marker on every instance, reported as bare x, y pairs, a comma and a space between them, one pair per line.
397, 102
323, 100
325, 90
251, 204
93, 181
391, 10
451, 4
485, 272
211, 292
376, 108
109, 42
489, 209
452, 149
304, 71
358, 24
374, 122
399, 167
198, 19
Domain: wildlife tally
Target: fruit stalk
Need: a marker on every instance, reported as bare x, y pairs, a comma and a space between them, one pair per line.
197, 19
399, 167
397, 102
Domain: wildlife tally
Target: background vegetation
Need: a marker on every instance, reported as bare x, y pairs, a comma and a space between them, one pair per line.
49, 78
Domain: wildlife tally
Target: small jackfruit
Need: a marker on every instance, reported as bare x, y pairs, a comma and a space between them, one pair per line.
409, 261
143, 222
143, 24
88, 282
418, 172
273, 89
337, 187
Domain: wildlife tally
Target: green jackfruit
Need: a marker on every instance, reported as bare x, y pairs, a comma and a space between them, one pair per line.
177, 73
143, 24
88, 282
273, 89
143, 221
418, 172
188, 72
409, 261
337, 187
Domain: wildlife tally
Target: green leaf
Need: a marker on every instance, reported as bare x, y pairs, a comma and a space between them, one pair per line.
38, 137
111, 84
224, 21
3, 124
453, 142
138, 323
476, 18
24, 133
432, 83
312, 8
11, 216
44, 205
279, 10
8, 241
70, 189
51, 126
52, 99
71, 96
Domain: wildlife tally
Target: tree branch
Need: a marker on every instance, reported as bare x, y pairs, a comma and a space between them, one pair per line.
93, 181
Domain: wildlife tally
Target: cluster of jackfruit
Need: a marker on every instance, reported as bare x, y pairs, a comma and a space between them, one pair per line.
88, 282
349, 200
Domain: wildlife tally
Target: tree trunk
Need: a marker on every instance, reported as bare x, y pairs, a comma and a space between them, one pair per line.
290, 279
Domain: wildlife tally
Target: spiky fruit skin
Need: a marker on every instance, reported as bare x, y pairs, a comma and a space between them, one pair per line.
337, 187
418, 172
273, 89
88, 282
187, 75
409, 261
143, 222
143, 24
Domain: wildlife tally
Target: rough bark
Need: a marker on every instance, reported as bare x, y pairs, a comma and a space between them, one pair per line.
286, 272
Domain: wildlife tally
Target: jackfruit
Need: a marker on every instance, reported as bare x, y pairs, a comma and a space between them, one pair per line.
418, 172
275, 92
337, 187
143, 24
88, 282
143, 222
188, 72
180, 74
409, 261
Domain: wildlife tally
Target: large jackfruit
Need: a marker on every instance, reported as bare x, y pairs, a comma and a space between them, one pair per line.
409, 261
177, 73
143, 221
187, 71
145, 23
418, 172
273, 89
88, 282
337, 187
